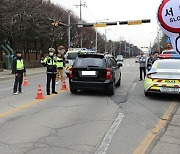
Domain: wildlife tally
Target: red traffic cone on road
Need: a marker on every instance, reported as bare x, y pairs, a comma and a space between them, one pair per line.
39, 94
64, 85
25, 81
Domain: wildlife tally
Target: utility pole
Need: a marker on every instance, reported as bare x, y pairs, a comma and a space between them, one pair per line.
105, 40
120, 46
96, 45
125, 49
96, 40
69, 30
129, 49
80, 22
158, 39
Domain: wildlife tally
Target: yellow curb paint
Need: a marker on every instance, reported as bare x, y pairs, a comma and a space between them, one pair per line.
142, 148
2, 115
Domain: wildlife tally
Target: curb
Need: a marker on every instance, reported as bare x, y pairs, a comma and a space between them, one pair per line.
161, 133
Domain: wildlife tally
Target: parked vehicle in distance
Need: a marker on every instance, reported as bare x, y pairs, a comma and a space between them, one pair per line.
164, 77
95, 72
119, 58
137, 59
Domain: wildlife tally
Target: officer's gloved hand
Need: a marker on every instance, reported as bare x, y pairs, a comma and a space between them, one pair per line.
42, 62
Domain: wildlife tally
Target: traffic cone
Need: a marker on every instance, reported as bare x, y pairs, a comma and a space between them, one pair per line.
25, 81
39, 94
64, 85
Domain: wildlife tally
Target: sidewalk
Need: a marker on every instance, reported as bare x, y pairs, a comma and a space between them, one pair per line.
169, 143
6, 74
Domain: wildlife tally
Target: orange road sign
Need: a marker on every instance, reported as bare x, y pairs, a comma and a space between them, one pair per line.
135, 22
99, 25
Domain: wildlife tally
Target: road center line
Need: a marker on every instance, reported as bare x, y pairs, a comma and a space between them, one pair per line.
144, 145
109, 135
2, 115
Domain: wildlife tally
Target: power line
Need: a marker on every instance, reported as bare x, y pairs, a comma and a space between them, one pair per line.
80, 6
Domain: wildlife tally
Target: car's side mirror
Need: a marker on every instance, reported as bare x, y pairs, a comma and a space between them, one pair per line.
120, 64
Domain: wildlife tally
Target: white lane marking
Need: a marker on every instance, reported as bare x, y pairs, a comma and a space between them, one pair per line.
133, 87
5, 89
109, 135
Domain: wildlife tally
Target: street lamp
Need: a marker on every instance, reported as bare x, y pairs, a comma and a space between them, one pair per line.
97, 33
158, 37
106, 38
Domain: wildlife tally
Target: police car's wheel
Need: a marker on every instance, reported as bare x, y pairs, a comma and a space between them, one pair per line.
119, 82
147, 94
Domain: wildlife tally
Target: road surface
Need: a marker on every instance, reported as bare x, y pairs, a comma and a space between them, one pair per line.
83, 123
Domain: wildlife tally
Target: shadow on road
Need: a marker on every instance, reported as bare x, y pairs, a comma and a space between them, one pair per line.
164, 97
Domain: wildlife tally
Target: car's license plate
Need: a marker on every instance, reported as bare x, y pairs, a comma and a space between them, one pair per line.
88, 73
171, 90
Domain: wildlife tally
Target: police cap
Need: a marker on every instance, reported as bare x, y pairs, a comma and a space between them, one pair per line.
51, 50
18, 52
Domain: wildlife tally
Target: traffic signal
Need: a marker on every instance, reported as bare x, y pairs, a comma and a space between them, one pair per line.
55, 23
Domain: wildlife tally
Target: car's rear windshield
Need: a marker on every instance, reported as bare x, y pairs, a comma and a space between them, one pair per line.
169, 64
90, 62
72, 55
119, 57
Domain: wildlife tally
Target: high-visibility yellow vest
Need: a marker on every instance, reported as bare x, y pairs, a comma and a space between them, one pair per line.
49, 61
59, 62
20, 64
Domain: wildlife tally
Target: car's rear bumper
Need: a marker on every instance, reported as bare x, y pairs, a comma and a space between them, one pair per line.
158, 87
84, 85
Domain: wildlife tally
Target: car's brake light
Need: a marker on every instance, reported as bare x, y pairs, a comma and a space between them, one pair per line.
71, 73
149, 74
108, 74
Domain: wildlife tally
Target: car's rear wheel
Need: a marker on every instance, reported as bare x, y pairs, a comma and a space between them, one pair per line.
119, 82
73, 91
147, 94
67, 74
111, 90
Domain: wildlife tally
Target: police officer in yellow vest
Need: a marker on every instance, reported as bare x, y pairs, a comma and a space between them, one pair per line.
18, 69
60, 66
50, 63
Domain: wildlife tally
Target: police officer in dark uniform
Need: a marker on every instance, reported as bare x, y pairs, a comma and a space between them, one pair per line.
150, 62
18, 68
50, 63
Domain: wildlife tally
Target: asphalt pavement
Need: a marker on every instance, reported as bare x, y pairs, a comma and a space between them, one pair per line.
87, 122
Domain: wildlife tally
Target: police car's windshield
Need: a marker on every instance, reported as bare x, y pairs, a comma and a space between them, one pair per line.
72, 55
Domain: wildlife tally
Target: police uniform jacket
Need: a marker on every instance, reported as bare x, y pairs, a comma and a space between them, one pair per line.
18, 65
50, 63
